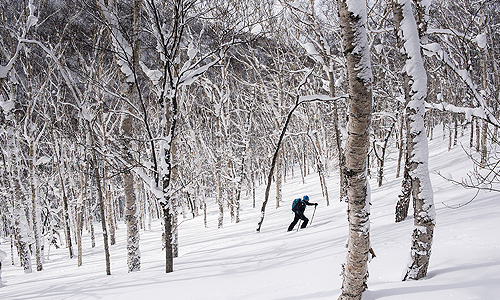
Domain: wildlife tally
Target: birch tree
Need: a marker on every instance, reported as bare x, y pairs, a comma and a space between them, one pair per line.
415, 86
131, 205
180, 60
32, 136
127, 58
21, 227
357, 54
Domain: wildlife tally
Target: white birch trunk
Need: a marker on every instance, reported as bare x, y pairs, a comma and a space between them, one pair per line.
21, 227
415, 84
3, 255
108, 200
35, 213
356, 50
133, 252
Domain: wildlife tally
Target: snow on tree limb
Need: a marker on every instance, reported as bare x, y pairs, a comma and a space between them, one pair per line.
469, 112
66, 75
154, 75
190, 76
123, 49
437, 51
480, 39
311, 50
311, 98
4, 70
31, 21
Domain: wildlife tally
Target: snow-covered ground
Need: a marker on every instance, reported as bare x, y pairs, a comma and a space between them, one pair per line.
237, 263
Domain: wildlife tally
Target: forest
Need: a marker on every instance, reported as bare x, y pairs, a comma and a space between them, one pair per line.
131, 111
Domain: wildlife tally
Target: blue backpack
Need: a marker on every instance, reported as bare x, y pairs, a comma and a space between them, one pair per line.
295, 204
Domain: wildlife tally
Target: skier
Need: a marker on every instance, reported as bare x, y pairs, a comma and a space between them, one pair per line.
298, 207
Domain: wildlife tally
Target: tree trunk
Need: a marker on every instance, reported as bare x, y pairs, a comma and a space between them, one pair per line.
79, 228
100, 196
400, 139
6, 182
175, 233
381, 157
218, 171
253, 185
3, 255
110, 215
338, 141
450, 131
20, 227
279, 178
415, 86
67, 230
80, 211
169, 171
169, 256
35, 213
89, 213
133, 252
356, 50
404, 199
455, 129
273, 165
239, 186
478, 135
471, 138
220, 201
59, 154
484, 148
321, 164
204, 203
484, 130
20, 223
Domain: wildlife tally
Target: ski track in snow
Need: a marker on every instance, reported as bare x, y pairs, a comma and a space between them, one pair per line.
237, 263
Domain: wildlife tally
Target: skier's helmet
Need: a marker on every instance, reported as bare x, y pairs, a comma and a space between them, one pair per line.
306, 198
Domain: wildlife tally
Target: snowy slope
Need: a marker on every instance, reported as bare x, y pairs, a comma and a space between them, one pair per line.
238, 263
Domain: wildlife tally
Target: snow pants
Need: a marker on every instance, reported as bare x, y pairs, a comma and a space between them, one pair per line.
296, 219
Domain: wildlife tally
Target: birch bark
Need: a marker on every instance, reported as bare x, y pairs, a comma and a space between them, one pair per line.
356, 50
415, 86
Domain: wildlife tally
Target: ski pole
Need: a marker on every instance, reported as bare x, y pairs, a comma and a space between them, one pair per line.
313, 214
299, 225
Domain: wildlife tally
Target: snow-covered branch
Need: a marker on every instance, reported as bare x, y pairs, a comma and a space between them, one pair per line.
62, 69
30, 22
435, 50
321, 98
123, 49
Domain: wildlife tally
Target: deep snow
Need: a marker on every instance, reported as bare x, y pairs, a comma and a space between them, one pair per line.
237, 263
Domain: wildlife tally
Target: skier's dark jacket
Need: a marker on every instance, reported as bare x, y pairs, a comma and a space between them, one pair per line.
300, 206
